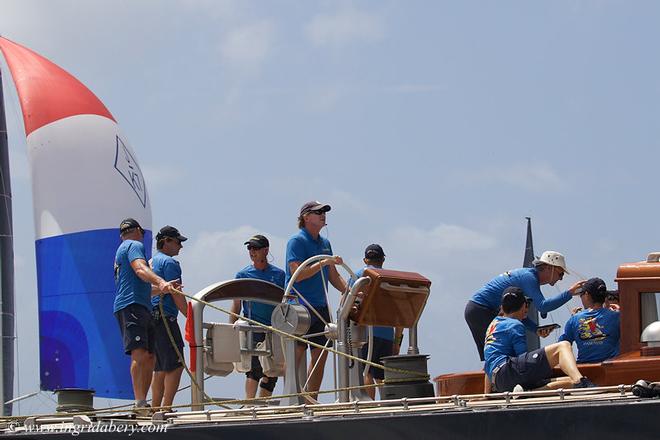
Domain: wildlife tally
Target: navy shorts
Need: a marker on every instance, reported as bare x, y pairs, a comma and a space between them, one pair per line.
382, 348
136, 327
530, 370
318, 326
166, 356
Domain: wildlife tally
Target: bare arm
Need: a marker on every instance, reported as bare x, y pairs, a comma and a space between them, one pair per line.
142, 270
398, 338
235, 308
336, 279
312, 269
181, 303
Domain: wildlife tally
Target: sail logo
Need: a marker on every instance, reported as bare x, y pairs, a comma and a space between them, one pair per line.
127, 166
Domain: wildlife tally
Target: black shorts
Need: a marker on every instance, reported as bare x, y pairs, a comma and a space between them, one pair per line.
257, 371
478, 319
136, 327
382, 348
166, 356
317, 326
530, 370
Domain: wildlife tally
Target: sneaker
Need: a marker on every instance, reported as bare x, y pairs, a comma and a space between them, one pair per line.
585, 383
646, 389
143, 410
517, 389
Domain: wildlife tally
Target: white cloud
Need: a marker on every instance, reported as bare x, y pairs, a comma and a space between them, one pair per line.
443, 240
344, 27
529, 177
246, 47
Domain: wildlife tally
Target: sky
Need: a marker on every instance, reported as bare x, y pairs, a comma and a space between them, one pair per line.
431, 127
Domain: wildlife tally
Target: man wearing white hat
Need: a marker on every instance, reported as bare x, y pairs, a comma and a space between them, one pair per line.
484, 305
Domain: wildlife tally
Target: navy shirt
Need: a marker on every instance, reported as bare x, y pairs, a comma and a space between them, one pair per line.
527, 279
505, 337
300, 247
130, 289
168, 269
596, 334
261, 312
379, 332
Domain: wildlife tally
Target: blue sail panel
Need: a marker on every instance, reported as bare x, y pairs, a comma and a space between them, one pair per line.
80, 342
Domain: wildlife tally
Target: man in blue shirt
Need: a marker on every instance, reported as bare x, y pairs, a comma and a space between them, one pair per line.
258, 248
509, 364
386, 340
485, 304
168, 369
595, 330
312, 282
132, 307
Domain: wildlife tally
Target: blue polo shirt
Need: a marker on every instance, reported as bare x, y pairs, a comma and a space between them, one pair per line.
261, 312
300, 247
505, 337
168, 269
379, 332
527, 279
129, 288
596, 334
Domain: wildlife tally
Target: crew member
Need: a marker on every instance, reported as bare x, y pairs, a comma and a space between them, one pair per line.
485, 304
508, 364
595, 330
386, 340
312, 282
258, 248
132, 307
169, 366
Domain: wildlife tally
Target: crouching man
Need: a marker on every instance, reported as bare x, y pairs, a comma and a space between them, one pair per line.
508, 364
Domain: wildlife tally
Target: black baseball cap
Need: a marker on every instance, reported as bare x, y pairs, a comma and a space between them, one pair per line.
258, 241
596, 288
374, 252
513, 299
314, 205
128, 223
171, 232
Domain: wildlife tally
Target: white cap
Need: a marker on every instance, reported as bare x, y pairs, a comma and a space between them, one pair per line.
553, 259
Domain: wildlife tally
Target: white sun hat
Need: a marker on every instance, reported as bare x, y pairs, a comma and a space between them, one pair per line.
553, 259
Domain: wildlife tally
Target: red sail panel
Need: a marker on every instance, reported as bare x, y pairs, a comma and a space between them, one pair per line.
47, 92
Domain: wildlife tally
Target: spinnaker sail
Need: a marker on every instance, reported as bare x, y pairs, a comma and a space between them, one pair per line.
85, 180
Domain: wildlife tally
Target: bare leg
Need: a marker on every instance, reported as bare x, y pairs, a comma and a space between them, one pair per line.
488, 388
172, 379
142, 367
371, 391
250, 388
157, 388
561, 354
316, 377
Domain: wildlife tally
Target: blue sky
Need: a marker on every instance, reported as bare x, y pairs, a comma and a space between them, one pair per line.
431, 127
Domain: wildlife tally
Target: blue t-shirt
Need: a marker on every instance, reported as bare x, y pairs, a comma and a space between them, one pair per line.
527, 279
379, 332
505, 337
168, 269
300, 247
596, 334
261, 312
130, 289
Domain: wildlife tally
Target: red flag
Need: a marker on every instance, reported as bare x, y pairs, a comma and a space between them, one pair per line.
190, 336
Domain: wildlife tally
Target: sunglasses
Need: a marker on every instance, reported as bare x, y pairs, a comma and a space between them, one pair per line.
254, 248
318, 212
